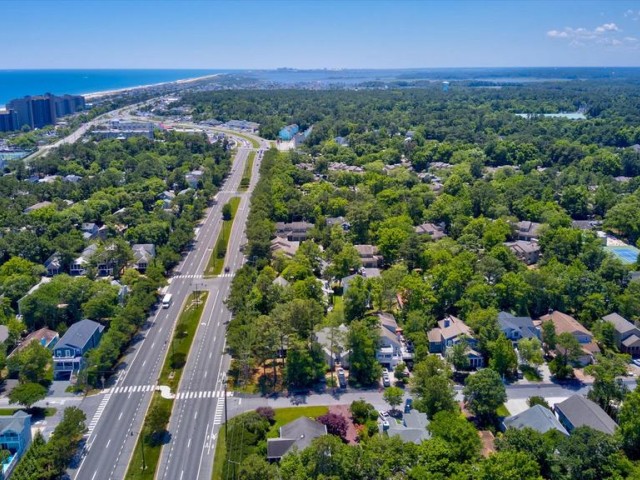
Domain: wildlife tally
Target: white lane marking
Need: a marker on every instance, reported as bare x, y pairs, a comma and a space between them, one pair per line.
120, 416
94, 474
108, 443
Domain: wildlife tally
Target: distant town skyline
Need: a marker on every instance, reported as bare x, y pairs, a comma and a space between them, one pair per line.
312, 34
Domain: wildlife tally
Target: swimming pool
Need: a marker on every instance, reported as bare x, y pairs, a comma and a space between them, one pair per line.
627, 254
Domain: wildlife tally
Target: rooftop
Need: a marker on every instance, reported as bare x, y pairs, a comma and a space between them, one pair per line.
79, 334
537, 417
581, 411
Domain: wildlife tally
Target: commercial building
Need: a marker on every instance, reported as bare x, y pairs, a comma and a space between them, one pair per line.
39, 111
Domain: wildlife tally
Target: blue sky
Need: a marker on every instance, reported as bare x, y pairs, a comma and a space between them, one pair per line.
310, 34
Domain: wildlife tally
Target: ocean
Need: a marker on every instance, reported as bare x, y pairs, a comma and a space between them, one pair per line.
18, 83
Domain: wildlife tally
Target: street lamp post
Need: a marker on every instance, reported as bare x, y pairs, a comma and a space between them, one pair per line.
144, 463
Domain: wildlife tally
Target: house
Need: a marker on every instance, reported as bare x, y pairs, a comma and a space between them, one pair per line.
333, 221
392, 346
567, 324
4, 333
287, 133
80, 264
539, 418
284, 246
343, 142
68, 354
369, 256
436, 232
53, 265
297, 435
193, 178
143, 253
586, 224
37, 206
527, 231
526, 251
577, 411
123, 291
517, 328
15, 436
166, 198
451, 331
47, 338
626, 334
72, 178
293, 231
91, 231
281, 282
363, 272
333, 342
412, 429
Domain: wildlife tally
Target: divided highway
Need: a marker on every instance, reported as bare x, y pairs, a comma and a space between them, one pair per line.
118, 421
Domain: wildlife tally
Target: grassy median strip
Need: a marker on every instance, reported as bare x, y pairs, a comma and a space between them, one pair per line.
182, 338
144, 461
254, 143
246, 175
216, 260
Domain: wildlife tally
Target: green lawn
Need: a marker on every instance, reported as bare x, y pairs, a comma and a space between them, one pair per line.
182, 339
35, 411
151, 453
216, 260
502, 411
254, 143
530, 373
283, 416
246, 175
286, 415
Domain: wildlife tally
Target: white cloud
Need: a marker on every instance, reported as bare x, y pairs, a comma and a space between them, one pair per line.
607, 34
632, 14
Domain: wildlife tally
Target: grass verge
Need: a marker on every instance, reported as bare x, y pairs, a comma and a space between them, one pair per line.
182, 339
254, 143
502, 411
36, 412
216, 260
283, 416
246, 175
151, 452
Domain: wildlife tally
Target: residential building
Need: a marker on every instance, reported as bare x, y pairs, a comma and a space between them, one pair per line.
343, 142
392, 346
517, 328
363, 272
143, 254
527, 231
577, 411
626, 334
37, 206
72, 178
36, 112
436, 232
4, 333
53, 264
333, 342
297, 435
412, 429
293, 231
567, 324
46, 337
451, 331
80, 264
333, 221
122, 130
539, 418
68, 354
194, 178
15, 436
281, 282
91, 231
369, 256
526, 251
284, 246
8, 121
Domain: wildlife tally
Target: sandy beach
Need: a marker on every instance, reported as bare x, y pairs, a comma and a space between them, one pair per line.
106, 93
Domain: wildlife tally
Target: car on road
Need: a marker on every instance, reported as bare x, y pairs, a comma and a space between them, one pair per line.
386, 381
636, 362
408, 403
226, 269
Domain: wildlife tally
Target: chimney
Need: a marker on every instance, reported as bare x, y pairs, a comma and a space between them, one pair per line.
447, 322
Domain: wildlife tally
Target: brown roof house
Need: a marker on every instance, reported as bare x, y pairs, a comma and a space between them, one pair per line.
436, 232
527, 252
295, 435
369, 255
293, 231
567, 324
626, 334
451, 331
284, 246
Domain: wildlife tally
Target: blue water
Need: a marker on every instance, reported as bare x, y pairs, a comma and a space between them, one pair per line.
18, 83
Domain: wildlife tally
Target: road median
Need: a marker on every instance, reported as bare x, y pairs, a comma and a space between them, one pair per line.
216, 260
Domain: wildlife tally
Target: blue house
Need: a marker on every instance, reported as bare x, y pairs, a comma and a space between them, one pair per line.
288, 132
68, 354
15, 436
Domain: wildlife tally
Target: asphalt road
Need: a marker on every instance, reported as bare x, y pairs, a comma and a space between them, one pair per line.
119, 417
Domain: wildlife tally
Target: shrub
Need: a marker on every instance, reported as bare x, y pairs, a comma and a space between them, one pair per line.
336, 424
267, 413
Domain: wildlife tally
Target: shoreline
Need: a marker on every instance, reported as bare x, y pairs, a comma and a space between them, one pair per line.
119, 91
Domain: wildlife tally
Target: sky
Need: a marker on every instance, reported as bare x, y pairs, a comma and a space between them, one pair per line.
264, 34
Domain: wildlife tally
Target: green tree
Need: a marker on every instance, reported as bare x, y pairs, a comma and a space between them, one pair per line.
393, 396
549, 335
588, 454
255, 467
568, 351
363, 342
502, 356
538, 446
431, 384
356, 299
27, 394
461, 436
530, 351
457, 355
508, 466
483, 393
155, 423
629, 423
31, 364
305, 365
607, 388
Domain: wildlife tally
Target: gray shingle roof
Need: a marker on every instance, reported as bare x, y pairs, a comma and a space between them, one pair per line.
523, 324
79, 334
537, 417
581, 411
15, 422
299, 433
621, 324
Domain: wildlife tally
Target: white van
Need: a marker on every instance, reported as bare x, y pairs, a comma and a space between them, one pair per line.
166, 300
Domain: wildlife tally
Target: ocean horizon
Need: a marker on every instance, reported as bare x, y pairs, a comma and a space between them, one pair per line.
19, 83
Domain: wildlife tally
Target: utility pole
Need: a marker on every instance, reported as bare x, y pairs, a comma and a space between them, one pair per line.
224, 379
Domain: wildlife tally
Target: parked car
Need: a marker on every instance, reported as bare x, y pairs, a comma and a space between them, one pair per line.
636, 362
342, 380
384, 415
408, 404
385, 380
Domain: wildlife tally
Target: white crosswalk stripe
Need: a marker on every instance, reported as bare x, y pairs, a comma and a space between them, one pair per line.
201, 394
217, 418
